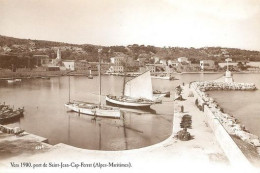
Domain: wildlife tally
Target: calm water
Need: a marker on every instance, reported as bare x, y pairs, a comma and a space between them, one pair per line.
45, 114
244, 105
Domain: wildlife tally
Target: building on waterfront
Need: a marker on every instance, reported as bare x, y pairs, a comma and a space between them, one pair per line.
163, 61
194, 67
81, 65
207, 65
172, 63
69, 64
118, 61
232, 65
155, 59
42, 60
116, 65
150, 67
154, 68
116, 69
183, 59
93, 66
142, 61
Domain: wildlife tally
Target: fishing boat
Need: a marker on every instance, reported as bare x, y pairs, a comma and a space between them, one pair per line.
165, 94
45, 77
14, 80
94, 109
137, 93
164, 77
10, 115
161, 77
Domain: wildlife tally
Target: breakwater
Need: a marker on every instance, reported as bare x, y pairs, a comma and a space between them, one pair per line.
222, 124
213, 85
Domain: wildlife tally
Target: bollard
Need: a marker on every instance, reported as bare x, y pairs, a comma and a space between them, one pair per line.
182, 108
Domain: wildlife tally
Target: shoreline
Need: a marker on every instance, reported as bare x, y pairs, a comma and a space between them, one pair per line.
235, 130
47, 74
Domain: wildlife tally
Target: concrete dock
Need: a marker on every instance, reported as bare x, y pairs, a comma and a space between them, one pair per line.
202, 153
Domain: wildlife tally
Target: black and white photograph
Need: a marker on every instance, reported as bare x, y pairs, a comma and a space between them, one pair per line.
130, 86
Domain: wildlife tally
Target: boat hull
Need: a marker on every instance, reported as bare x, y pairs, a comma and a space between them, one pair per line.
161, 77
127, 104
11, 118
114, 113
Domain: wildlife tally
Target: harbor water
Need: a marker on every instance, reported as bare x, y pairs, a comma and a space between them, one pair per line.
45, 114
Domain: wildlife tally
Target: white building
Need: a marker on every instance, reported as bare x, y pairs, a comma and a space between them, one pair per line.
224, 64
207, 65
155, 59
116, 69
182, 59
69, 64
172, 63
117, 60
150, 67
163, 61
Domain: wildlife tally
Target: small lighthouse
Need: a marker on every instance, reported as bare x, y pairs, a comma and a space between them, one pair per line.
228, 75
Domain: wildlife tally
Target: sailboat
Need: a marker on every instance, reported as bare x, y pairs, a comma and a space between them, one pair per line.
94, 109
137, 92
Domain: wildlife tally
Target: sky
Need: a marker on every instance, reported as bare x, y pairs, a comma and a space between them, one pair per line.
175, 23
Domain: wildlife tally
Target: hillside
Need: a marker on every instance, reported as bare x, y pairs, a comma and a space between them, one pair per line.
28, 48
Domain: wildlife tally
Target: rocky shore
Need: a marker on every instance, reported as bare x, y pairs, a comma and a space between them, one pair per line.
213, 85
230, 123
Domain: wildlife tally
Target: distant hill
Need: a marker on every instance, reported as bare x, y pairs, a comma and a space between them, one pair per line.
28, 48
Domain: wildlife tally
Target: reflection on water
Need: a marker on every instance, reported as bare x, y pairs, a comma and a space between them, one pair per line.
45, 114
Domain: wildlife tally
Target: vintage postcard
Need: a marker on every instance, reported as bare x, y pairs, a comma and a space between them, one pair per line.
130, 86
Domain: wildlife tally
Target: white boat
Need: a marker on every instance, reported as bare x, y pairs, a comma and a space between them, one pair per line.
11, 81
18, 80
14, 80
94, 109
137, 93
164, 77
161, 77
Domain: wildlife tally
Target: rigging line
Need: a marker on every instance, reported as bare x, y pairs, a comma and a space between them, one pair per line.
95, 94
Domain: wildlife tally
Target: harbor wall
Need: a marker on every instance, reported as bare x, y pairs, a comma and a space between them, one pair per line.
232, 151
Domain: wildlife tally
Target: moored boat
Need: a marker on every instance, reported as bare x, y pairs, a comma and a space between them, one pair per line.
91, 108
10, 115
166, 94
94, 109
137, 93
161, 77
14, 80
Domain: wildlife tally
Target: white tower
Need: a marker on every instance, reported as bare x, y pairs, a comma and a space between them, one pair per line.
58, 54
228, 76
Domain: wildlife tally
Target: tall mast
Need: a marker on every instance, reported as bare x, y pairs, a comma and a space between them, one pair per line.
69, 83
124, 66
99, 73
